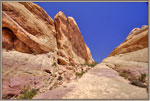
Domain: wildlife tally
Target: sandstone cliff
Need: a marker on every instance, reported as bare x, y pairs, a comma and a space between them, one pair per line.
32, 30
71, 46
27, 28
136, 40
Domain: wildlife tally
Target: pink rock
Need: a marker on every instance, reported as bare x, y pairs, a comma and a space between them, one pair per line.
17, 82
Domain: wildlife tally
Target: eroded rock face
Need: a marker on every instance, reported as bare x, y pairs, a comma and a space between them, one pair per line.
71, 45
31, 25
137, 39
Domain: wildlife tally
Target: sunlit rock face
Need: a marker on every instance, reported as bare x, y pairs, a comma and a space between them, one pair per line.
33, 29
71, 45
136, 40
27, 28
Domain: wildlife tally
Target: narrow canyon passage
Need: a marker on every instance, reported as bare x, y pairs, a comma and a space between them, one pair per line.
44, 58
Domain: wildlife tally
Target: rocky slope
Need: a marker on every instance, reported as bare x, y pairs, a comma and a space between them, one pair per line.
100, 82
34, 71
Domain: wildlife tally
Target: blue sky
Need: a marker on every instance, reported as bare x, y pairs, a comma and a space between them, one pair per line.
103, 25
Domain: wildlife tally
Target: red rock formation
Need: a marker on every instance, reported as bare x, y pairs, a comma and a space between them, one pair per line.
71, 45
137, 39
35, 32
31, 25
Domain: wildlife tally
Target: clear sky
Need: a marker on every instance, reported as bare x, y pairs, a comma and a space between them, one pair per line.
103, 25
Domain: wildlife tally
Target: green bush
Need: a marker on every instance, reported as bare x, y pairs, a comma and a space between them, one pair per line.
79, 73
91, 65
28, 94
142, 77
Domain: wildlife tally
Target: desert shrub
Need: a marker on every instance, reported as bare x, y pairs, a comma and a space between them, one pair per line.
28, 94
142, 77
79, 73
91, 65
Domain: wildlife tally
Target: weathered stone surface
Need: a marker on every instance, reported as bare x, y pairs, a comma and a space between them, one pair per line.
36, 71
137, 39
70, 42
130, 65
12, 86
101, 82
31, 25
21, 47
21, 69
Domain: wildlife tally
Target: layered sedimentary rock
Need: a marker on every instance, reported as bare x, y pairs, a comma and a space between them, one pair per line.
137, 39
71, 46
27, 28
33, 29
